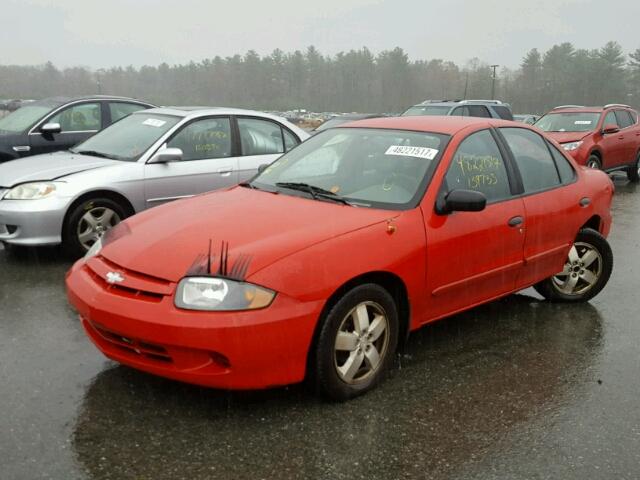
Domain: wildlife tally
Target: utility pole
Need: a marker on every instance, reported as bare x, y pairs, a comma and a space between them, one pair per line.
493, 82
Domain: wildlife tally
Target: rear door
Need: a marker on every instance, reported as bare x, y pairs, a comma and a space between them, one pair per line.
612, 144
209, 162
625, 121
78, 122
475, 256
552, 200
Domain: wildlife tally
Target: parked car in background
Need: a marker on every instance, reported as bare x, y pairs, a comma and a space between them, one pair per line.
462, 108
341, 119
365, 233
606, 138
146, 159
526, 118
59, 123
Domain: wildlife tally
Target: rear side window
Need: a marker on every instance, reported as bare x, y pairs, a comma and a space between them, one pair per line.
537, 167
634, 116
503, 112
566, 171
624, 119
120, 110
260, 137
478, 111
460, 112
478, 165
290, 140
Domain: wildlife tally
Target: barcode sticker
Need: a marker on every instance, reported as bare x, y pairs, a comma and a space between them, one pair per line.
419, 152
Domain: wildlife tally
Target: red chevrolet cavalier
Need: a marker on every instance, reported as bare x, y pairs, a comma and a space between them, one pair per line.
320, 265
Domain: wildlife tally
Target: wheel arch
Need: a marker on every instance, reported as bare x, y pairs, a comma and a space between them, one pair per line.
595, 223
102, 193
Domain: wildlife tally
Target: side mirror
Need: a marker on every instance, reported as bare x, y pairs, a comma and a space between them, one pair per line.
461, 201
610, 128
166, 155
50, 128
262, 167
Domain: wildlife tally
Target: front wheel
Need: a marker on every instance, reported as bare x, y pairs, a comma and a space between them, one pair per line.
633, 172
88, 222
357, 342
594, 162
585, 273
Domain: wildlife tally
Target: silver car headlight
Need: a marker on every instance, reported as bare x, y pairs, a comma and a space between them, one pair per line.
221, 294
569, 147
94, 250
31, 191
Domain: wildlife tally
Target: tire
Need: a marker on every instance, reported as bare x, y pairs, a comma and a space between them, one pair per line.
594, 162
78, 233
575, 283
633, 172
367, 306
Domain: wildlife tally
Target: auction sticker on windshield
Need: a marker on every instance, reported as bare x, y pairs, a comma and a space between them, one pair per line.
583, 122
154, 122
419, 152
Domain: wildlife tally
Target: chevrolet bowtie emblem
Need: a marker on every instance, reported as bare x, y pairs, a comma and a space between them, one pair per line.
114, 277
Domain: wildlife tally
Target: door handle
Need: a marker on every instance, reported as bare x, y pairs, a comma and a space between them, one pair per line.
225, 171
585, 202
516, 221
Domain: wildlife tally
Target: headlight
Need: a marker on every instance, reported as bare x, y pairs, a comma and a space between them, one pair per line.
569, 147
94, 250
210, 293
31, 191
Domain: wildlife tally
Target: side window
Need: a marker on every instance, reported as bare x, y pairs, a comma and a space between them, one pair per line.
610, 119
120, 110
624, 119
504, 112
202, 139
478, 111
260, 137
84, 117
566, 171
478, 165
290, 140
460, 112
537, 168
634, 116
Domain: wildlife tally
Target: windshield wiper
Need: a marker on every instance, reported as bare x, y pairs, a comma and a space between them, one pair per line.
255, 187
315, 192
93, 153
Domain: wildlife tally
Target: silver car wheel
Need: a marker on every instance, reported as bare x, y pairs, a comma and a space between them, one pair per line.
361, 343
581, 272
94, 223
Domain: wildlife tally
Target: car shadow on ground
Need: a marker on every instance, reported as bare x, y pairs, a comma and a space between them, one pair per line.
459, 388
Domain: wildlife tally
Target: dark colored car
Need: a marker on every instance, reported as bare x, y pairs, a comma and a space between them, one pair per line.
462, 108
341, 119
606, 138
59, 123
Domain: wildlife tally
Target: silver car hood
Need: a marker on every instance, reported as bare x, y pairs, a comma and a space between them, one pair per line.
48, 167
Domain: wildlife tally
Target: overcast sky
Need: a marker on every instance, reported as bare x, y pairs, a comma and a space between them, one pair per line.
136, 32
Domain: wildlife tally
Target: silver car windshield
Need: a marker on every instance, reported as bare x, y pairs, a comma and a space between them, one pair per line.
129, 138
23, 118
360, 166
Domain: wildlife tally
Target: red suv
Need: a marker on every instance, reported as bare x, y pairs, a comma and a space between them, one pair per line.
607, 138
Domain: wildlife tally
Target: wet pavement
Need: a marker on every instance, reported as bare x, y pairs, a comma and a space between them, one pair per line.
517, 389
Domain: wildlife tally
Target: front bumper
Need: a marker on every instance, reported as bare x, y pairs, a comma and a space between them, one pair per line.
32, 222
229, 350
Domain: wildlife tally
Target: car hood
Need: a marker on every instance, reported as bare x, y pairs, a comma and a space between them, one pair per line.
171, 241
567, 137
48, 167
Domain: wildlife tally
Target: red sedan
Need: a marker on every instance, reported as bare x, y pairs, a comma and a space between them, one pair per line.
325, 261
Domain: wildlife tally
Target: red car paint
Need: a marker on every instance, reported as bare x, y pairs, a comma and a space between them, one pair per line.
306, 250
615, 151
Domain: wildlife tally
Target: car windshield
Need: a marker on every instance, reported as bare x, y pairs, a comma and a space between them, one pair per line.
129, 138
427, 110
23, 118
568, 122
360, 166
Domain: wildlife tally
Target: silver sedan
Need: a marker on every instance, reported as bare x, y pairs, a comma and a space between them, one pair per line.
146, 159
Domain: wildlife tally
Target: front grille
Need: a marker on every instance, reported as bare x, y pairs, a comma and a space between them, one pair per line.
125, 291
133, 346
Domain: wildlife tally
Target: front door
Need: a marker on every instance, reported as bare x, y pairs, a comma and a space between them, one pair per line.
208, 162
613, 144
475, 256
78, 122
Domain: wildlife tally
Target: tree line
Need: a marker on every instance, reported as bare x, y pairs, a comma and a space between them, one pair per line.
353, 81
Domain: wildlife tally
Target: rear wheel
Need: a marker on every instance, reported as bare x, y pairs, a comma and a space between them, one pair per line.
633, 172
585, 273
357, 342
594, 162
88, 222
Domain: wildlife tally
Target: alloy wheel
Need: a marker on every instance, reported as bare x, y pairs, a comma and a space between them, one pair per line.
361, 343
94, 224
581, 271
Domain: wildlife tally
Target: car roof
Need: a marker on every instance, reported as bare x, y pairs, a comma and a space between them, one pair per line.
452, 103
204, 111
448, 125
577, 110
59, 101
